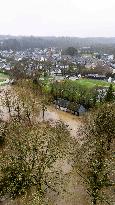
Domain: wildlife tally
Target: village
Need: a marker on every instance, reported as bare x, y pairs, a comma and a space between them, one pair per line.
59, 64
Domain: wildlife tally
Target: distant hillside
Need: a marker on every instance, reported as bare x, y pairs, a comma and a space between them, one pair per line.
23, 42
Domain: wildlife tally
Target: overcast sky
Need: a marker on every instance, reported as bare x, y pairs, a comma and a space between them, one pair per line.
83, 18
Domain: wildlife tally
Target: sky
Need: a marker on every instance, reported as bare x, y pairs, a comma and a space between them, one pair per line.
81, 18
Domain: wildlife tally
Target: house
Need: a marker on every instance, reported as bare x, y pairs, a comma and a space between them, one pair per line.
109, 80
62, 104
81, 110
58, 78
71, 107
113, 70
76, 109
96, 76
73, 78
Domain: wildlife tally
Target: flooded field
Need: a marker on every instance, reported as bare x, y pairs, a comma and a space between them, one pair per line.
75, 191
73, 122
51, 114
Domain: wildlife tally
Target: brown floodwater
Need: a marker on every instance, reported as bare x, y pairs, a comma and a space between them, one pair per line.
74, 122
3, 110
51, 114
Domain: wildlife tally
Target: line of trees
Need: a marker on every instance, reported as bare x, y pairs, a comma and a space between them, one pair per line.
22, 43
80, 94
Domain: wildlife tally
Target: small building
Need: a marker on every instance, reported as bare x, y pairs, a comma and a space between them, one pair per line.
71, 107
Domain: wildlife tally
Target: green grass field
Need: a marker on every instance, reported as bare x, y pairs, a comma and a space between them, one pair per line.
90, 83
3, 77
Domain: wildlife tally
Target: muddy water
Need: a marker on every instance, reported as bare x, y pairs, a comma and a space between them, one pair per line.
51, 114
73, 122
4, 115
75, 191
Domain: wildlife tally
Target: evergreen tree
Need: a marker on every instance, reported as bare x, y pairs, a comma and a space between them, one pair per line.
109, 96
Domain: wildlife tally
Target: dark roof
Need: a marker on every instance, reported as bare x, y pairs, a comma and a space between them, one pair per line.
62, 102
73, 106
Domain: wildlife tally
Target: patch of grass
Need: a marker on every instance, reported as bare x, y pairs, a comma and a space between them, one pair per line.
3, 77
90, 83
